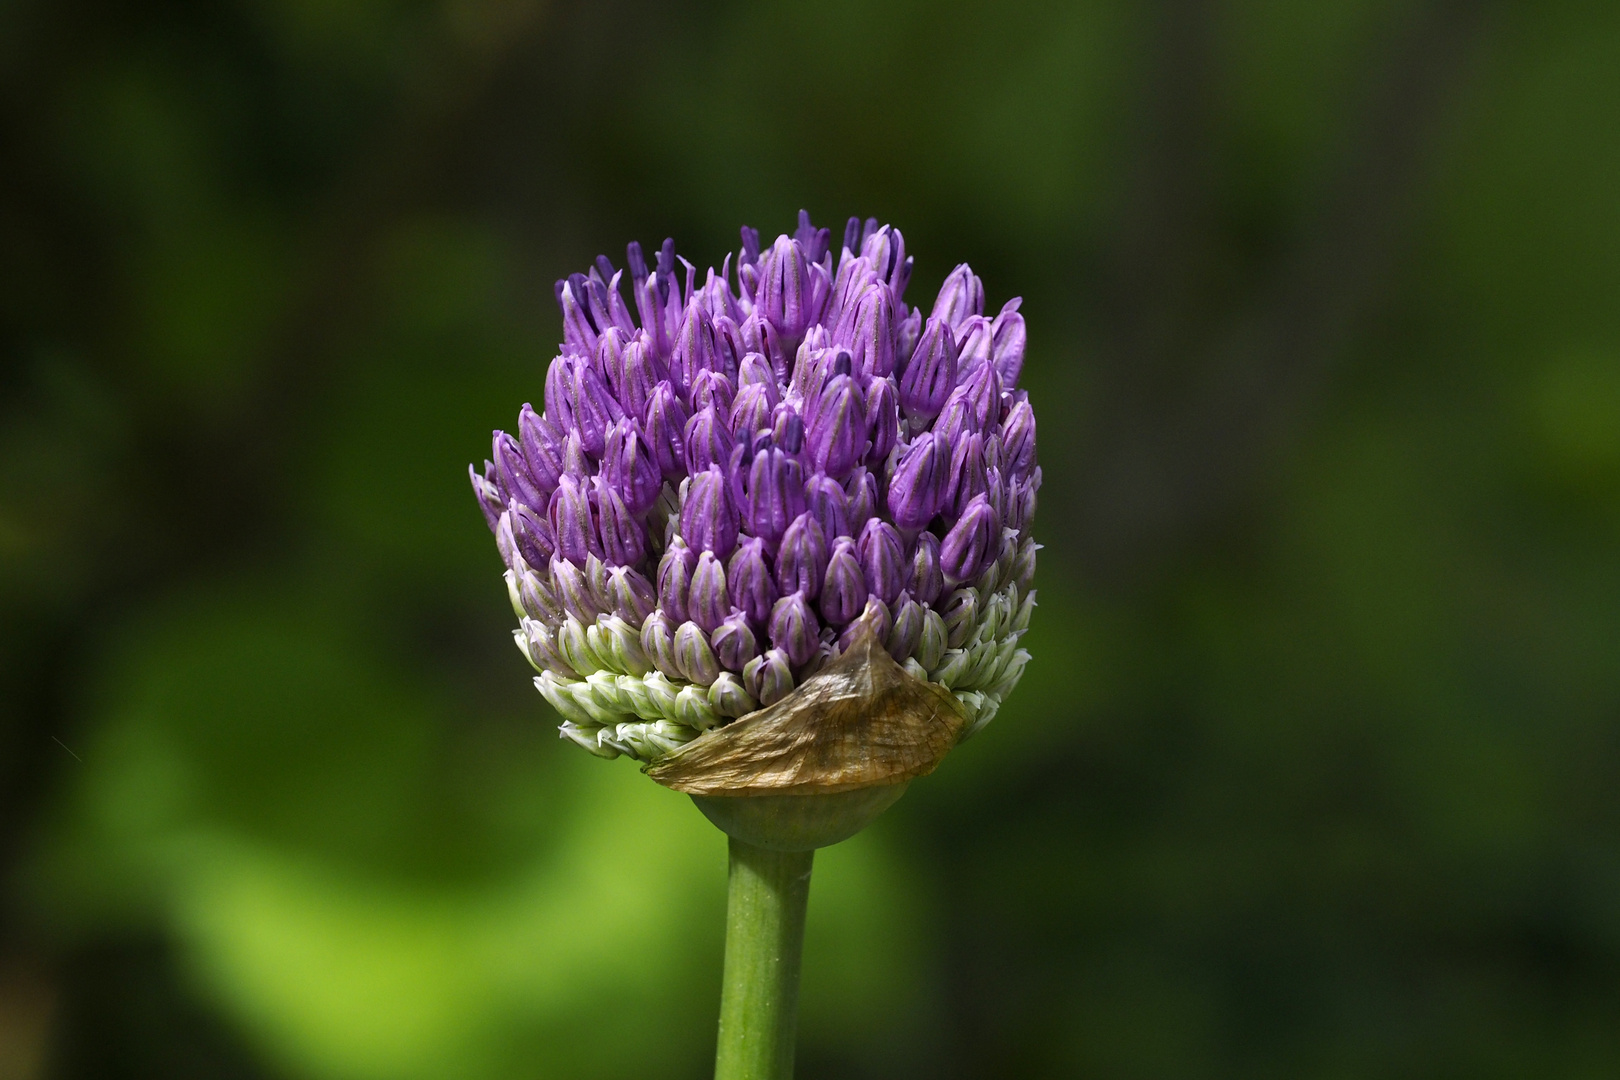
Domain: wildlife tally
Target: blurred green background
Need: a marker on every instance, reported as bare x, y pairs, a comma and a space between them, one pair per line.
1315, 773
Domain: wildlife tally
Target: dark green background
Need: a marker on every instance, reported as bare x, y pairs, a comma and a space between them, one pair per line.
1315, 772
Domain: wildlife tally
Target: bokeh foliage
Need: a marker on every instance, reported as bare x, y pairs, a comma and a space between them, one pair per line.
1316, 772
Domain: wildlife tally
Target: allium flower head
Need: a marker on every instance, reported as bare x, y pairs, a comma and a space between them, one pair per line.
731, 482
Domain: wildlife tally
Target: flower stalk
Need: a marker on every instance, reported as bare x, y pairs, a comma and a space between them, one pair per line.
759, 996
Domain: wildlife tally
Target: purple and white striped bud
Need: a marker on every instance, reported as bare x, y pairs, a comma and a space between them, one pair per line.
784, 294
828, 503
628, 466
712, 388
1018, 439
694, 351
541, 441
533, 535
559, 390
760, 336
755, 370
983, 391
768, 678
753, 589
624, 538
574, 591
882, 560
675, 578
973, 345
924, 578
874, 619
512, 472
658, 643
709, 602
836, 432
930, 375
958, 418
708, 520
861, 487
572, 521
640, 373
921, 482
487, 492
751, 411
882, 421
708, 441
843, 587
734, 642
1008, 348
801, 561
973, 542
666, 431
794, 628
631, 595
772, 493
968, 475
907, 629
578, 332
694, 656
962, 295
868, 332
594, 407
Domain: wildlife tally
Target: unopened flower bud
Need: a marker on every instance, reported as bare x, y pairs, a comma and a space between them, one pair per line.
768, 678
752, 588
658, 643
973, 542
921, 481
693, 655
794, 628
541, 442
882, 422
836, 432
666, 431
843, 588
907, 629
827, 502
631, 595
734, 642
882, 557
709, 603
628, 465
962, 295
801, 561
708, 441
874, 619
675, 578
708, 520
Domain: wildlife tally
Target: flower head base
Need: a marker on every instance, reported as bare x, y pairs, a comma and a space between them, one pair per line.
732, 484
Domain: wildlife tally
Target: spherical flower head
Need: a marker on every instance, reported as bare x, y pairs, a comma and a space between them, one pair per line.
736, 485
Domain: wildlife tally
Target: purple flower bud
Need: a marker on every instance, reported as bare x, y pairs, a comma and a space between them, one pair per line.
539, 599
572, 521
973, 542
882, 560
708, 441
930, 375
708, 520
628, 465
924, 578
709, 602
505, 541
752, 588
541, 442
1021, 500
921, 482
874, 619
784, 288
962, 295
559, 391
535, 540
882, 421
574, 591
983, 392
836, 434
814, 241
843, 589
826, 500
712, 388
973, 345
1018, 439
595, 408
734, 642
624, 538
675, 578
760, 336
967, 475
861, 487
693, 656
752, 409
666, 431
958, 418
755, 370
1008, 348
787, 429
794, 629
512, 472
609, 357
773, 493
576, 462
640, 373
801, 561
905, 339
768, 678
488, 492
631, 595
694, 351
577, 329
907, 629
658, 642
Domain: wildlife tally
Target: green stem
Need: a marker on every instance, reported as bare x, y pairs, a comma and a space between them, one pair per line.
759, 1001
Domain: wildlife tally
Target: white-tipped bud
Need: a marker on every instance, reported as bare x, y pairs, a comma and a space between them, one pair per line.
692, 708
931, 646
575, 647
729, 698
953, 668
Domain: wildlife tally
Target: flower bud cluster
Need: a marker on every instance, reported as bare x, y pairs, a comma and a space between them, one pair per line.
729, 482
